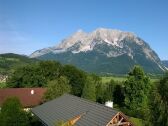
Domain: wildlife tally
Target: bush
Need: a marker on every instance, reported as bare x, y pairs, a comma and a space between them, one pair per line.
12, 114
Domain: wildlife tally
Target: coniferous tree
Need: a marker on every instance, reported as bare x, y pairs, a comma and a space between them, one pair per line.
118, 95
137, 87
159, 103
89, 90
11, 113
99, 93
108, 94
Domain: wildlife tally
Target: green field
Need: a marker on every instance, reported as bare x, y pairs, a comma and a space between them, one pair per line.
107, 79
121, 79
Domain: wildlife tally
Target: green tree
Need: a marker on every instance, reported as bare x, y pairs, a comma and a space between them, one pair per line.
50, 69
12, 114
89, 90
118, 95
27, 76
159, 103
57, 88
137, 87
100, 93
76, 77
108, 94
99, 88
35, 75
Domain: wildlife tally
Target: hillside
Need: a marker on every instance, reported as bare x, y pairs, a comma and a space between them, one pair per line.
165, 62
104, 51
9, 61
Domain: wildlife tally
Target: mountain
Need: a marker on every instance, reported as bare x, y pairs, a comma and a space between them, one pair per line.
104, 51
165, 62
9, 61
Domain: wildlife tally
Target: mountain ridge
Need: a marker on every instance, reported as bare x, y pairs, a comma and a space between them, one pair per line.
165, 62
106, 44
85, 38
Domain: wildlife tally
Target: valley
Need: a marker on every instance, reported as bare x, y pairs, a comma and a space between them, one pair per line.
83, 63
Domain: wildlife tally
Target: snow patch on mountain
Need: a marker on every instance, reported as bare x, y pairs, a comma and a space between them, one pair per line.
111, 37
114, 54
83, 42
161, 67
105, 42
166, 68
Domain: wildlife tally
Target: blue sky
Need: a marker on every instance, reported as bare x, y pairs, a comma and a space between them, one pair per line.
28, 25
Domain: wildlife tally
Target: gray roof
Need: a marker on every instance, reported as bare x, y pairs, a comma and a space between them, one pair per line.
68, 106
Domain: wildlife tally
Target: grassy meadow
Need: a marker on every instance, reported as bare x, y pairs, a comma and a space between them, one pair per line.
121, 79
107, 79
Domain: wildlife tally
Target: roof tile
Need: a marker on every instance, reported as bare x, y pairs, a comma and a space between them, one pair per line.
28, 96
68, 106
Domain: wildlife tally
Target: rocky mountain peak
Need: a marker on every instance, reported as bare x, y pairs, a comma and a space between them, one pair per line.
112, 37
105, 43
82, 41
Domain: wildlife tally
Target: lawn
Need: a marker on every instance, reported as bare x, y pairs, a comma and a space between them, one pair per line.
121, 79
107, 79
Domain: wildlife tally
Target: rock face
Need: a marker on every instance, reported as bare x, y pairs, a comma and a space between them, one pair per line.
165, 63
104, 51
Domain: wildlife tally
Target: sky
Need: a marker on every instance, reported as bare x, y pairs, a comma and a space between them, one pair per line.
29, 25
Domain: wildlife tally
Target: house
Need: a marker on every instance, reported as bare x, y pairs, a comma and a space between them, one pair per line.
79, 112
29, 97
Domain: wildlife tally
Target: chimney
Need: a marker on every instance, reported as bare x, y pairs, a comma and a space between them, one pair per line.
109, 104
32, 92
